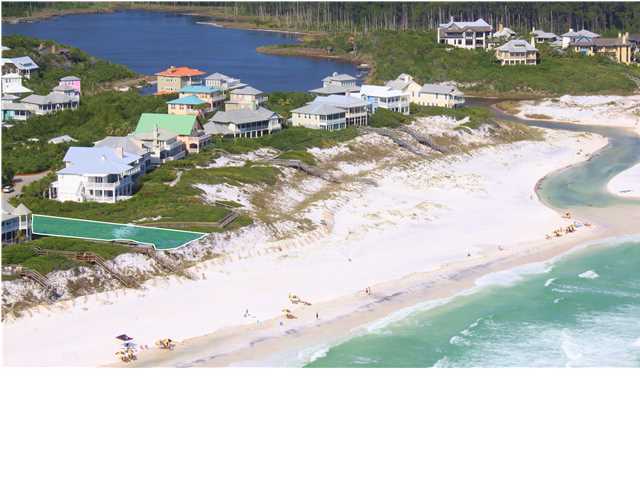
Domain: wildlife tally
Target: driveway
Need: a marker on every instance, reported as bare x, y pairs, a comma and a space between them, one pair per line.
20, 181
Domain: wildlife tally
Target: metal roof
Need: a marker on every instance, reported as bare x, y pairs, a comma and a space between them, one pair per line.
178, 124
199, 89
243, 115
247, 91
517, 46
442, 89
314, 108
190, 100
97, 161
342, 77
341, 101
128, 144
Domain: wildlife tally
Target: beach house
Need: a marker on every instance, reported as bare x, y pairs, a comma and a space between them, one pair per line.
223, 82
440, 95
356, 111
187, 128
619, 49
188, 105
173, 79
16, 223
130, 144
51, 103
71, 82
377, 96
337, 84
96, 174
17, 111
540, 36
517, 52
212, 95
12, 85
319, 116
575, 39
244, 122
406, 84
23, 66
469, 35
246, 97
163, 146
503, 33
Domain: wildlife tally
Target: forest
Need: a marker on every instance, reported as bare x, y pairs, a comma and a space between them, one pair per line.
603, 17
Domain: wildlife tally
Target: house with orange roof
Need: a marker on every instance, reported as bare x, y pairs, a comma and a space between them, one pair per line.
173, 79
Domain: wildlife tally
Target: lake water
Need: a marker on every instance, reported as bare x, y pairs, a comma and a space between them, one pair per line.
148, 42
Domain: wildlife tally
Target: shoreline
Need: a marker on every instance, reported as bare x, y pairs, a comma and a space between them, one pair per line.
443, 272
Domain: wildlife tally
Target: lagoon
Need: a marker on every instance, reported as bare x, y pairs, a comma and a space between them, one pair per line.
148, 42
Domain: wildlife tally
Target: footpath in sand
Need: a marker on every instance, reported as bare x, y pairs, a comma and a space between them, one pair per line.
460, 213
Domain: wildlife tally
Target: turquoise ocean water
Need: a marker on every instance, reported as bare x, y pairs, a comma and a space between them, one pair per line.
582, 309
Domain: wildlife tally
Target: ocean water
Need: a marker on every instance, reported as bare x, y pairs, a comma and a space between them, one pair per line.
148, 42
581, 310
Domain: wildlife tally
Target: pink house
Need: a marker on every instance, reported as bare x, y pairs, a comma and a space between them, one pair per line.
70, 82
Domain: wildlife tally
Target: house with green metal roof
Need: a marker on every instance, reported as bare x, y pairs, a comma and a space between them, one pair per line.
211, 95
187, 128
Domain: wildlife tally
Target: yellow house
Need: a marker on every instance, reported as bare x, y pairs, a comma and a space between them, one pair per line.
618, 49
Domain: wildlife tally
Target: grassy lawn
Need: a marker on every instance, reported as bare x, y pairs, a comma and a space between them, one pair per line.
23, 254
416, 53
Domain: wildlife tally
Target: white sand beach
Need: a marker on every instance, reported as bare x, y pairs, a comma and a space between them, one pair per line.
606, 110
627, 183
425, 220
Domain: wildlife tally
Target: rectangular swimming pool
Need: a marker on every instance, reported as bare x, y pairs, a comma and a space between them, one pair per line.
159, 238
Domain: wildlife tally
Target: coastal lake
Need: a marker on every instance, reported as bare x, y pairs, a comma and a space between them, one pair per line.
148, 42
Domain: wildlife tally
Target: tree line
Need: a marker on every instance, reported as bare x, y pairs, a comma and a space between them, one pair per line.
603, 17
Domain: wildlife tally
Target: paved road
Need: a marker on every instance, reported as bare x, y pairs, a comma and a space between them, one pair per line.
20, 181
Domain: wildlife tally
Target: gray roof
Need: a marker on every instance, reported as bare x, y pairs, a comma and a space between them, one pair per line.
478, 25
62, 139
243, 115
18, 106
11, 211
580, 33
443, 89
247, 91
318, 108
53, 97
517, 46
340, 101
334, 90
342, 77
219, 76
70, 78
128, 144
543, 34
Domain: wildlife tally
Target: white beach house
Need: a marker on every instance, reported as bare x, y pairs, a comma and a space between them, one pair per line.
337, 84
244, 122
12, 84
378, 96
440, 95
24, 66
223, 82
469, 35
96, 174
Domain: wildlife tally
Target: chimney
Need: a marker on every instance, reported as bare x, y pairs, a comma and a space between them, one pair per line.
619, 34
120, 152
500, 27
625, 37
451, 18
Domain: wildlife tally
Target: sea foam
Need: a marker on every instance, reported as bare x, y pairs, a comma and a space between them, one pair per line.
590, 274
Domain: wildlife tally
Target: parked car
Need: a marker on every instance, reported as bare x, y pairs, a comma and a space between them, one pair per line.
7, 189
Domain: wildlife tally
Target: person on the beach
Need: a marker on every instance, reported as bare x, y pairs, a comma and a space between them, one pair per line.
316, 315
